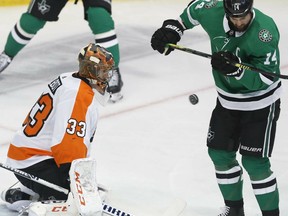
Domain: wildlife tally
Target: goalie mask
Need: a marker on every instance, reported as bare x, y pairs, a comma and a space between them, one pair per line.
96, 64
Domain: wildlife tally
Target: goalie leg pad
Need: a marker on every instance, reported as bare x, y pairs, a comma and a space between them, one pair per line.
54, 208
37, 209
84, 187
18, 205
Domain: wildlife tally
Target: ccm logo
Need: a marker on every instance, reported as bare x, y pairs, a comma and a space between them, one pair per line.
59, 209
79, 189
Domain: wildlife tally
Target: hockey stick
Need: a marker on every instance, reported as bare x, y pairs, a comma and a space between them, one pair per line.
239, 65
34, 178
108, 209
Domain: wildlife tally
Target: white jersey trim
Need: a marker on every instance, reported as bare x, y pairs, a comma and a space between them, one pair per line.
192, 21
250, 105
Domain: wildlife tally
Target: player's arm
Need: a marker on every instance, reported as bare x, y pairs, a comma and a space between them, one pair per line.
224, 62
267, 59
172, 30
262, 53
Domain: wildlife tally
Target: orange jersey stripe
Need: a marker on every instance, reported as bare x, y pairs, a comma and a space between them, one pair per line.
72, 145
23, 153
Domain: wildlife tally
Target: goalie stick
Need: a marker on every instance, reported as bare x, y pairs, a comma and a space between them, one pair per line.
239, 65
108, 209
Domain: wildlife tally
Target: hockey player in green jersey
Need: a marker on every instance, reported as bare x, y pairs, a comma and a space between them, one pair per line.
248, 103
96, 12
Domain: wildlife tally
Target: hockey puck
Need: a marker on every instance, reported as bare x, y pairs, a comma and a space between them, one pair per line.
193, 99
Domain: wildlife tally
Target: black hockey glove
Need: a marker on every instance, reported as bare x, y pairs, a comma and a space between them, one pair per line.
223, 62
170, 32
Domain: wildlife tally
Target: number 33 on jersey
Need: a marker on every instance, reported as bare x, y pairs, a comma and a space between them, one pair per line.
60, 125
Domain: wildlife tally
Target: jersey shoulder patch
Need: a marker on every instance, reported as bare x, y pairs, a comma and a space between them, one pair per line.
54, 85
211, 4
204, 3
265, 36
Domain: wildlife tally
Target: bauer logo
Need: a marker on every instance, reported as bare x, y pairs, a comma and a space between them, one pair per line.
265, 35
175, 29
251, 149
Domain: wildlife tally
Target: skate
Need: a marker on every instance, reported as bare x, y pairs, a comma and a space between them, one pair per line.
17, 198
5, 60
14, 194
230, 211
115, 85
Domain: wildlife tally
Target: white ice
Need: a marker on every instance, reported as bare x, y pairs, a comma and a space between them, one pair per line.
151, 147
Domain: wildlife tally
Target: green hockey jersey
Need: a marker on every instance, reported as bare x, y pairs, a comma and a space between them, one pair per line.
257, 46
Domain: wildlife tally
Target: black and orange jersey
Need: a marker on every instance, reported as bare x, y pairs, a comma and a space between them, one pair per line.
60, 125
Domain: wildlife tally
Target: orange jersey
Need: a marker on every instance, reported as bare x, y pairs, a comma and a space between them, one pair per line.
60, 125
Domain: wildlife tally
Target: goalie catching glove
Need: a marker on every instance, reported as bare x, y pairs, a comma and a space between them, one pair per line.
224, 62
170, 32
